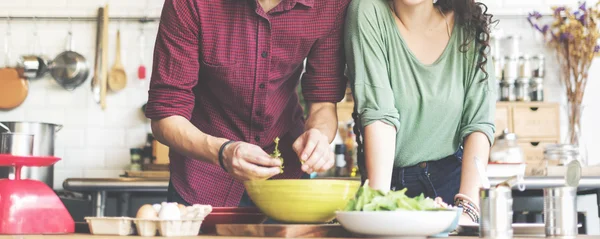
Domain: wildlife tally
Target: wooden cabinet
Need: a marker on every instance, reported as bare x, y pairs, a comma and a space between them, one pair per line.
536, 126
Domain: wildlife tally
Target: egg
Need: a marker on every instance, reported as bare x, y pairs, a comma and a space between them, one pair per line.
169, 211
147, 212
157, 207
182, 210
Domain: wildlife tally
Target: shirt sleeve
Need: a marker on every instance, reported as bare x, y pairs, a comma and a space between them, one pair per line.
480, 104
324, 79
176, 61
367, 67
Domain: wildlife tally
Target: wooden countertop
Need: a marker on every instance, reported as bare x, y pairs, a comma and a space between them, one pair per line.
78, 236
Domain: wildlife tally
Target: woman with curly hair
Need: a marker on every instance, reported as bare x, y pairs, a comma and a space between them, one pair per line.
425, 96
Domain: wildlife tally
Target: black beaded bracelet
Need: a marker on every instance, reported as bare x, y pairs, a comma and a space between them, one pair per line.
221, 153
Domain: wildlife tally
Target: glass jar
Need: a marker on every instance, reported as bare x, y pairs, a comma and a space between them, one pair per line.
506, 149
560, 154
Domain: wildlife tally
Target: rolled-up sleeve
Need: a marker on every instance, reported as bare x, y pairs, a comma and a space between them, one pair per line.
480, 104
367, 67
176, 61
324, 79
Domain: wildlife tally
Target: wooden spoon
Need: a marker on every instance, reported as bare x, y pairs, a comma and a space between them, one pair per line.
117, 78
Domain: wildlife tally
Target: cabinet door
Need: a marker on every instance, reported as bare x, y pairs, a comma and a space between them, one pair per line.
502, 120
532, 122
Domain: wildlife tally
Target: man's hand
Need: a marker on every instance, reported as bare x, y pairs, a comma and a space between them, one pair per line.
246, 161
313, 150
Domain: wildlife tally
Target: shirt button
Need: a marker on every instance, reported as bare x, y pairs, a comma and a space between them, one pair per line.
262, 86
264, 54
257, 138
259, 113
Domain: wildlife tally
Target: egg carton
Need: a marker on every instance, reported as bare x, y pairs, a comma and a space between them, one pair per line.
168, 228
115, 226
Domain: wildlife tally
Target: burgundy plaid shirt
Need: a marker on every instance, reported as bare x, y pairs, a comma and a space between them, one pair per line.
232, 70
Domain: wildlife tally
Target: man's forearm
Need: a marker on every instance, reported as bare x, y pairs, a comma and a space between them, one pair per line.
476, 144
323, 117
179, 134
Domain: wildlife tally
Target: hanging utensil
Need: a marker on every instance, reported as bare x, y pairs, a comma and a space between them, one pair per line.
35, 65
70, 69
13, 88
98, 58
142, 66
104, 66
117, 78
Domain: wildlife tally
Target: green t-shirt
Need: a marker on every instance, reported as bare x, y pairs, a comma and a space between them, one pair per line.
433, 107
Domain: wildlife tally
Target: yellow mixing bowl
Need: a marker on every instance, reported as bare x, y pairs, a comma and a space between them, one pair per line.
301, 200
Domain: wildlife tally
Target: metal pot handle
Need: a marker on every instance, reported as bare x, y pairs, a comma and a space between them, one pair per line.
58, 128
4, 127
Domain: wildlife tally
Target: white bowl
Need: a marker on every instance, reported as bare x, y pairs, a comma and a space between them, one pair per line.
397, 224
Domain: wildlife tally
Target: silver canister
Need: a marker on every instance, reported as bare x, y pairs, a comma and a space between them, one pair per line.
496, 213
537, 89
560, 212
538, 66
17, 144
523, 90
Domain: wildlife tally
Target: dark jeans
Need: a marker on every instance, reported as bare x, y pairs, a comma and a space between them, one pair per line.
173, 196
439, 178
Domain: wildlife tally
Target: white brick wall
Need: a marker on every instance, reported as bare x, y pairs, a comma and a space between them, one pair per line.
93, 143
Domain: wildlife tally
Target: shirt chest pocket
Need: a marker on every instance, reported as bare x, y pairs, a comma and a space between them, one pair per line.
221, 73
225, 83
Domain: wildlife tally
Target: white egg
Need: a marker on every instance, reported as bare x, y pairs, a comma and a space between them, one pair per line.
169, 211
157, 207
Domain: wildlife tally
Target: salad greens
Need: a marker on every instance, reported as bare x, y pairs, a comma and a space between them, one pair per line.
276, 154
368, 199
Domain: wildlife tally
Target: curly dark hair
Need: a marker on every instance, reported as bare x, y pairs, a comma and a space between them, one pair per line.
476, 21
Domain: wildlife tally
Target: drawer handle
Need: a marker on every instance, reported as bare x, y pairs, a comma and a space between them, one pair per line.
533, 108
534, 144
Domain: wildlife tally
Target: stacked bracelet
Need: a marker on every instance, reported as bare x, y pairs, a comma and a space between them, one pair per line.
468, 207
221, 153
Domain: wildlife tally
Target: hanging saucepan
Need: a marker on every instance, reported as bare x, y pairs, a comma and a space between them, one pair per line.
70, 69
33, 67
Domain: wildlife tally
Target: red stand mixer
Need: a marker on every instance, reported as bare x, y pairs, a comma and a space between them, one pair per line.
30, 207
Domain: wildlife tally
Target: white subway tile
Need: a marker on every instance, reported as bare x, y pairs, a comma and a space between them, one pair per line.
71, 137
47, 4
114, 137
46, 115
117, 159
76, 118
124, 117
136, 137
12, 4
16, 114
97, 137
89, 158
36, 97
95, 116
